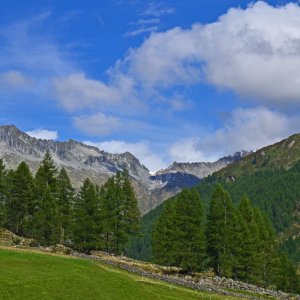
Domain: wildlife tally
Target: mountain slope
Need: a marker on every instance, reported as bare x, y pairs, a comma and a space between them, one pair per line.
271, 179
82, 161
280, 155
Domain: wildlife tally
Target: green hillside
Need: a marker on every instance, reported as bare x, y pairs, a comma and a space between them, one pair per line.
28, 275
271, 179
280, 155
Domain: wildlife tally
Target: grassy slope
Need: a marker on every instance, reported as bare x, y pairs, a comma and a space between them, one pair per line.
29, 275
283, 154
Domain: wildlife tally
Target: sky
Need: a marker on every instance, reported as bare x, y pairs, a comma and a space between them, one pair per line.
185, 80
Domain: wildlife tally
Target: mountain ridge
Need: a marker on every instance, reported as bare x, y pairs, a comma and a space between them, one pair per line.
82, 161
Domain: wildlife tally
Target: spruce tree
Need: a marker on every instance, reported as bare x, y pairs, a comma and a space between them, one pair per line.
46, 175
131, 211
267, 249
120, 235
107, 196
220, 231
178, 236
21, 201
287, 278
190, 242
65, 201
46, 221
250, 246
164, 236
120, 214
87, 223
3, 193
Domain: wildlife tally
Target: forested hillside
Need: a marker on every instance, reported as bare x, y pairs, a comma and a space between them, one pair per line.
46, 208
274, 191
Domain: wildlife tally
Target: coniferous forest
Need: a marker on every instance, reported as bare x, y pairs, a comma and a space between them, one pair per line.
47, 208
236, 241
233, 239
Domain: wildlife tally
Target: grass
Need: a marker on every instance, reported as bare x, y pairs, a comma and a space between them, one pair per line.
31, 275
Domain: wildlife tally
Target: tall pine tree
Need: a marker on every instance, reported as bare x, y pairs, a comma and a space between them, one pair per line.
3, 193
46, 222
87, 222
220, 232
120, 213
20, 204
46, 176
164, 236
65, 201
178, 236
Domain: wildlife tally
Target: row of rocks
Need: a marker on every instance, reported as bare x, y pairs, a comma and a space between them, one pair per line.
7, 238
214, 284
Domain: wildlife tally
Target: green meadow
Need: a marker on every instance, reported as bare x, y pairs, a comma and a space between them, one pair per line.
32, 275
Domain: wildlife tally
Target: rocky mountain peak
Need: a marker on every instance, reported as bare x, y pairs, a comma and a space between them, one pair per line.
82, 161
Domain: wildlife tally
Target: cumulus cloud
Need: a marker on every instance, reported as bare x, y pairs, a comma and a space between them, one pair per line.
245, 129
14, 79
44, 134
76, 91
97, 124
141, 150
253, 52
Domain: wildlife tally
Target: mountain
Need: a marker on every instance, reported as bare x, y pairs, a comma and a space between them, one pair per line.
82, 161
283, 155
202, 169
269, 176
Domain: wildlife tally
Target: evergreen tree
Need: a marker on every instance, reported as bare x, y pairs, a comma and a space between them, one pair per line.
164, 236
21, 201
119, 211
267, 249
190, 242
87, 223
46, 175
250, 246
131, 211
46, 220
220, 232
108, 212
287, 279
178, 236
120, 235
3, 192
65, 201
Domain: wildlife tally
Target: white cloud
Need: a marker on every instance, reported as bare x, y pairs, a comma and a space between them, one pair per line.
44, 134
157, 10
14, 79
142, 29
97, 124
23, 47
165, 59
245, 129
76, 91
141, 150
253, 52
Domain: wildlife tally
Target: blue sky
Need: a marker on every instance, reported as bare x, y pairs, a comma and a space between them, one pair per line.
165, 80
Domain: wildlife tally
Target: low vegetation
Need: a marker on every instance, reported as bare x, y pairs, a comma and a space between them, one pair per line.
29, 275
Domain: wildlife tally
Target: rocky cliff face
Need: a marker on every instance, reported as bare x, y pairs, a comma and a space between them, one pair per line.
82, 161
202, 169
